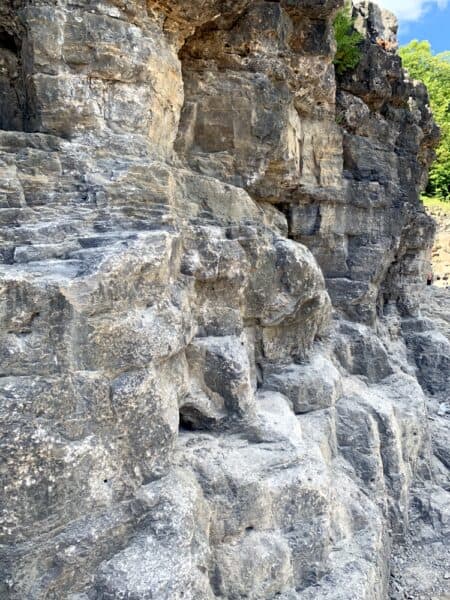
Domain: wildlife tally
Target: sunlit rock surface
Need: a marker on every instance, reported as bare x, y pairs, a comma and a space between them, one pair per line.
216, 380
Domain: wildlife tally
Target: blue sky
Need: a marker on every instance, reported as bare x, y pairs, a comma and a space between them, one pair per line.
423, 20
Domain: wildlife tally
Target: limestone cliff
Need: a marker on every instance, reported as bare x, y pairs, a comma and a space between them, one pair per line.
216, 380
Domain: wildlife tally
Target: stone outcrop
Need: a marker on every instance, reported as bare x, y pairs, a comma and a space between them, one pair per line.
216, 381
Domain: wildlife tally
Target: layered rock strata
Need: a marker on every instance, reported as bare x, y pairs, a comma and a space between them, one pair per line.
216, 378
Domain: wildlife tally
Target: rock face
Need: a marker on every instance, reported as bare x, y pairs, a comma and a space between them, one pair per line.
216, 376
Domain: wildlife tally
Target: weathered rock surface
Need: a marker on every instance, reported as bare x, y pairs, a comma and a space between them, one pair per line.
216, 381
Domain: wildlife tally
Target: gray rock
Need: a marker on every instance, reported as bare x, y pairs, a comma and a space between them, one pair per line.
212, 254
313, 386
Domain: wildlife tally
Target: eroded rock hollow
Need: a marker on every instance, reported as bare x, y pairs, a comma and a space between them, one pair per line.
216, 379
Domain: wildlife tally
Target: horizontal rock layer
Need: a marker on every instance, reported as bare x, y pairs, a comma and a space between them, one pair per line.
216, 379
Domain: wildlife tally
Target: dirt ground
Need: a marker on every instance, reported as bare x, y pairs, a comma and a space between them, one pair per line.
441, 250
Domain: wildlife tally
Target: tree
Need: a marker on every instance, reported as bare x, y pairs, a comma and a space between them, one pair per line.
434, 71
348, 53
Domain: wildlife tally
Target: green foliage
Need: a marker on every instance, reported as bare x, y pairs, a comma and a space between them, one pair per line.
434, 203
434, 71
348, 53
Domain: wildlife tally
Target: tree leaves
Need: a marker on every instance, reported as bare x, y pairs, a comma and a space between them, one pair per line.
434, 71
348, 53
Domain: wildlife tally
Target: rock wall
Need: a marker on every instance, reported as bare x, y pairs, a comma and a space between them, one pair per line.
211, 338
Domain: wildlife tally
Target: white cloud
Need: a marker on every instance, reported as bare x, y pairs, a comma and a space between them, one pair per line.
411, 10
